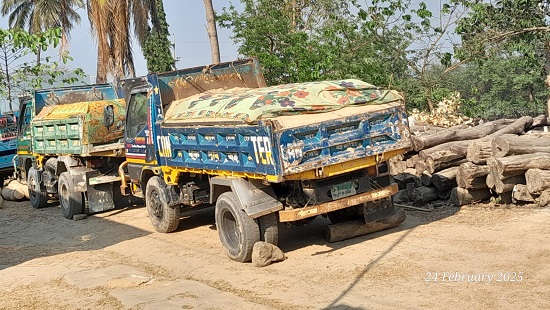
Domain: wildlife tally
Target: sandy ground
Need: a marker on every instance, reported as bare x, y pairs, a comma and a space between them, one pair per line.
477, 257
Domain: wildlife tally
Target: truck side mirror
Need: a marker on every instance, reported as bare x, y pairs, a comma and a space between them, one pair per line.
108, 116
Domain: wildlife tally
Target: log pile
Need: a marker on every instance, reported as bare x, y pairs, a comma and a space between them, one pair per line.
505, 159
14, 191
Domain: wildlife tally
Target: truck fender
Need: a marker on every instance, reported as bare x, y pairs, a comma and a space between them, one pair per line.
78, 177
65, 163
255, 197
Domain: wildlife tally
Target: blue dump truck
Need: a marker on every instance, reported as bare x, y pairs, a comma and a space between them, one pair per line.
216, 135
8, 143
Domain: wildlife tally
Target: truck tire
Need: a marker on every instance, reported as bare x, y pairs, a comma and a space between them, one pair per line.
165, 219
238, 232
38, 198
69, 199
269, 228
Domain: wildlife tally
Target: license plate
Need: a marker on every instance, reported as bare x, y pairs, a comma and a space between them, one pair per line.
342, 190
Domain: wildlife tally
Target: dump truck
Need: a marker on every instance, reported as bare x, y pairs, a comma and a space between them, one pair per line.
8, 143
217, 136
66, 150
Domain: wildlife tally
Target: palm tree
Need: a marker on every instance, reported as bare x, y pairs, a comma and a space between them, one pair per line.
212, 31
111, 22
38, 15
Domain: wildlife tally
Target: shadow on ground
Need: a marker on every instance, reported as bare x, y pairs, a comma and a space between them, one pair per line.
27, 233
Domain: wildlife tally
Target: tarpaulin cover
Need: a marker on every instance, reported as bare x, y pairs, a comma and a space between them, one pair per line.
251, 104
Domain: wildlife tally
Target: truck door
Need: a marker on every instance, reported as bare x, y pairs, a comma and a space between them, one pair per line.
138, 140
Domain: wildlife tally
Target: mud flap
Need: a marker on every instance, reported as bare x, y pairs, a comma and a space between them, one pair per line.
100, 196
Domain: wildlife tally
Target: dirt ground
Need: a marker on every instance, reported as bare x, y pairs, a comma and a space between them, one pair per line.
476, 257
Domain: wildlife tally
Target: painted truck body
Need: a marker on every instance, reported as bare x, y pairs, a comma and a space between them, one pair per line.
284, 167
8, 143
63, 144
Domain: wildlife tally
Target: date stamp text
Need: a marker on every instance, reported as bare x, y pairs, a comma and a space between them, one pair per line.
487, 278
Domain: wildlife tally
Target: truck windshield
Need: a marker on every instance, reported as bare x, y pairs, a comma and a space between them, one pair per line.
137, 115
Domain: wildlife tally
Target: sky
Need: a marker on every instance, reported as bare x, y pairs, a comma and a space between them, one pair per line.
187, 26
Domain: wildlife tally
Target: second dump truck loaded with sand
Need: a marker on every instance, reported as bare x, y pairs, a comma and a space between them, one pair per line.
262, 155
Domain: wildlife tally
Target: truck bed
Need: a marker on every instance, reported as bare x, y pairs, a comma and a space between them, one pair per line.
288, 147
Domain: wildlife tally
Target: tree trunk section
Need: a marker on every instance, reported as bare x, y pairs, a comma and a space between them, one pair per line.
461, 196
537, 180
350, 229
422, 142
521, 193
426, 179
212, 31
516, 163
544, 199
423, 195
445, 179
507, 184
517, 145
479, 151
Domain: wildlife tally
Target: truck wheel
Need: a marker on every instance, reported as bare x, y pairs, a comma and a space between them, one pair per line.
69, 199
38, 198
347, 214
269, 228
238, 231
165, 219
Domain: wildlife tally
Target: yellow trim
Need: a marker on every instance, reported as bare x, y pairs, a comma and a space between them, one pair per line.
136, 161
171, 174
340, 168
23, 153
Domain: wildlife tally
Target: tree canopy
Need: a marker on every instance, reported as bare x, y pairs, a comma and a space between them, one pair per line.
492, 53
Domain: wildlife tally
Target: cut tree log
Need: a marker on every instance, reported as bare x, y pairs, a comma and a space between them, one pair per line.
426, 179
408, 176
350, 229
445, 179
461, 196
12, 194
544, 199
411, 162
479, 150
494, 179
507, 184
521, 193
434, 167
444, 195
537, 180
397, 166
423, 195
470, 170
474, 183
518, 163
541, 120
516, 145
422, 142
401, 196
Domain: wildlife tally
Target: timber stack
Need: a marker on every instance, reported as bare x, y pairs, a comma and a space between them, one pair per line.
506, 160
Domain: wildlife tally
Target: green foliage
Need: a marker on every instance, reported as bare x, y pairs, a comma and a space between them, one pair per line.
156, 48
17, 75
498, 68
